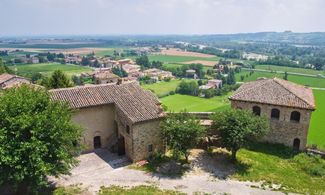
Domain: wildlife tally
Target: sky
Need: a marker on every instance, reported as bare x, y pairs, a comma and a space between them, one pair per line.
116, 17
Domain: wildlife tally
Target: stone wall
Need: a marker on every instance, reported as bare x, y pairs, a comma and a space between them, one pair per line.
145, 134
282, 130
96, 121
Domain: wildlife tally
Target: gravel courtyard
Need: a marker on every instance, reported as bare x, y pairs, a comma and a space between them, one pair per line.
104, 169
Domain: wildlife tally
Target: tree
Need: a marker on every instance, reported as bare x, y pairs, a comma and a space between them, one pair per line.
119, 72
85, 61
182, 132
231, 80
285, 77
238, 127
59, 80
36, 76
37, 138
188, 88
4, 68
143, 61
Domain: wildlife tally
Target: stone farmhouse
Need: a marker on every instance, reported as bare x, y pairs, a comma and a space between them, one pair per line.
9, 80
212, 84
121, 117
157, 74
103, 77
288, 106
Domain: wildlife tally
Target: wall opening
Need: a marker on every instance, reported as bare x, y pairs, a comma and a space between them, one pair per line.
97, 142
275, 113
296, 144
295, 116
121, 145
257, 110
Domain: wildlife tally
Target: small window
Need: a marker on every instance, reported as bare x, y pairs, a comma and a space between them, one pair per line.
127, 129
295, 116
275, 113
257, 110
150, 148
296, 144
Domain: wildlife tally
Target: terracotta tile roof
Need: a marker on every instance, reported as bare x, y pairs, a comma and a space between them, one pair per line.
5, 77
105, 75
130, 100
276, 92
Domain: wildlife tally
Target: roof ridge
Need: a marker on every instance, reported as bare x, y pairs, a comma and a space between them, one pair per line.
88, 86
261, 83
292, 92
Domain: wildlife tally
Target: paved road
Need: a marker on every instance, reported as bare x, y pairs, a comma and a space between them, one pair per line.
97, 170
282, 72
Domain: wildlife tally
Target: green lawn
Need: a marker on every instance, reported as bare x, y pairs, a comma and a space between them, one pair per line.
316, 133
48, 68
177, 59
303, 80
177, 103
290, 69
163, 88
275, 164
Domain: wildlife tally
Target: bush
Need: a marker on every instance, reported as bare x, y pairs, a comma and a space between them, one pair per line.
312, 164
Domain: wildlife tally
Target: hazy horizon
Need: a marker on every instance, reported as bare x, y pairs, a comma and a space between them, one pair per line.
159, 17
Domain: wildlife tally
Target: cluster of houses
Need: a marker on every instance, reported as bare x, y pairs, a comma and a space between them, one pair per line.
105, 74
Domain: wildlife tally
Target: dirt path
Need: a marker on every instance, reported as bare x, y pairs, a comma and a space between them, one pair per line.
97, 170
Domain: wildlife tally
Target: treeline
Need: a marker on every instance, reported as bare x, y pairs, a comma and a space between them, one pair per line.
217, 52
145, 63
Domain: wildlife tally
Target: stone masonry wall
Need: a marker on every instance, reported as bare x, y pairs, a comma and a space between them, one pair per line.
145, 134
96, 121
282, 130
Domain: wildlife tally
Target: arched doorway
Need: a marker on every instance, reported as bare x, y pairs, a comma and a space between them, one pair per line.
296, 144
121, 146
97, 142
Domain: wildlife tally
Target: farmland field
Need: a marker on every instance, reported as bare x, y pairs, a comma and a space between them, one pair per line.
303, 80
177, 103
316, 133
178, 52
177, 59
48, 68
163, 88
290, 69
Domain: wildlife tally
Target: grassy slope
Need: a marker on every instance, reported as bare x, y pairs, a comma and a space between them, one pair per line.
275, 164
163, 88
177, 102
316, 133
289, 69
303, 80
48, 68
177, 59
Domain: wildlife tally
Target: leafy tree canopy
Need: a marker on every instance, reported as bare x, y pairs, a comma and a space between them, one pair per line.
238, 127
182, 132
58, 80
37, 138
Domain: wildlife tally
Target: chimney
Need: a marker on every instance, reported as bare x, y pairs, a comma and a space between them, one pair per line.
119, 81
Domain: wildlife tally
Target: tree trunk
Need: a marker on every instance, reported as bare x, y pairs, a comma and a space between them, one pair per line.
233, 154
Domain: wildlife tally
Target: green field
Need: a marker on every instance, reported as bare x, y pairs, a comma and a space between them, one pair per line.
177, 103
290, 69
163, 88
48, 68
102, 53
177, 59
303, 80
316, 133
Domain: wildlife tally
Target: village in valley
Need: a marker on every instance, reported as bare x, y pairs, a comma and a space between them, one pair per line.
163, 113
